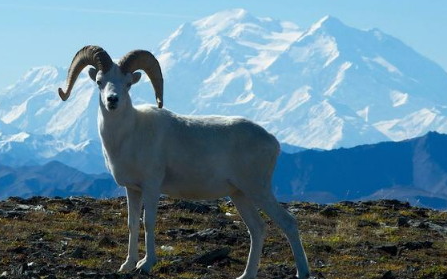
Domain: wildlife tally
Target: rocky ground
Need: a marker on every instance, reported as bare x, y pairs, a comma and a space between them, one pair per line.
86, 238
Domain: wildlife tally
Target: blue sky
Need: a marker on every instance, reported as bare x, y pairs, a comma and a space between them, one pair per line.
49, 32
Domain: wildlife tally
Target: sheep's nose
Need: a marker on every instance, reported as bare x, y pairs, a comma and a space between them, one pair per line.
112, 99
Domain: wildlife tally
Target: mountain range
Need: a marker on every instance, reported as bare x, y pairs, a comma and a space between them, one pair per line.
54, 179
411, 170
326, 87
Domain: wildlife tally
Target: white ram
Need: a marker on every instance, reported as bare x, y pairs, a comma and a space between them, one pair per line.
152, 151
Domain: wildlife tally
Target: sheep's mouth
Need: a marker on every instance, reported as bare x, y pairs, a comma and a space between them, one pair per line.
112, 106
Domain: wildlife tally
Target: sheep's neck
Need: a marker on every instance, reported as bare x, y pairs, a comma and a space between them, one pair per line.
115, 128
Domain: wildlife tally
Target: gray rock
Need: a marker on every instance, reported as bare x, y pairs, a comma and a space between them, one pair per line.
394, 204
12, 214
211, 257
402, 221
194, 207
329, 212
19, 269
18, 250
416, 245
186, 221
388, 275
106, 242
78, 253
391, 249
368, 223
179, 233
85, 210
205, 235
90, 274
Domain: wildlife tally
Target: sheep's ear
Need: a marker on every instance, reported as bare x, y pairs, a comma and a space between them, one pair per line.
92, 73
136, 77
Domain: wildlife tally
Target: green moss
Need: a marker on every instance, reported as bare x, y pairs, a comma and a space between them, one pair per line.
433, 271
92, 262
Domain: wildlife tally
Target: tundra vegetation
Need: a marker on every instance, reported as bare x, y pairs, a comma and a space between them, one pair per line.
87, 238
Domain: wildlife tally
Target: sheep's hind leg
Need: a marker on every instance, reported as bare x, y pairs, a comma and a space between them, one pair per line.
267, 202
256, 228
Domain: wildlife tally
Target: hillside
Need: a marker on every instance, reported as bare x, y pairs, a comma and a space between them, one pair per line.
413, 170
54, 179
86, 238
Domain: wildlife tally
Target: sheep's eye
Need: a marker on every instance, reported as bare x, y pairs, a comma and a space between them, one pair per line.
99, 83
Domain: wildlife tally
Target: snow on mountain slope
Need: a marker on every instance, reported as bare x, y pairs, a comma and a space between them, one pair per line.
19, 148
359, 82
32, 105
331, 86
210, 64
325, 87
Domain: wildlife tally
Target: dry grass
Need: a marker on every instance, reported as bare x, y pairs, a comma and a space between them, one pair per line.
337, 247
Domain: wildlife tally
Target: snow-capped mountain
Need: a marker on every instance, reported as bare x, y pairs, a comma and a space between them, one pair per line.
358, 86
328, 86
19, 148
323, 87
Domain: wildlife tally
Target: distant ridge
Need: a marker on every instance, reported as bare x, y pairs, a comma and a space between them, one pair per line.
413, 170
54, 179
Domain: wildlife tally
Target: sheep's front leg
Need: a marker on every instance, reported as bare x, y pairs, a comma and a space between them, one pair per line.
150, 202
133, 222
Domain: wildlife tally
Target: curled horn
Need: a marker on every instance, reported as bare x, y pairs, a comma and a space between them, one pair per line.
88, 55
144, 60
